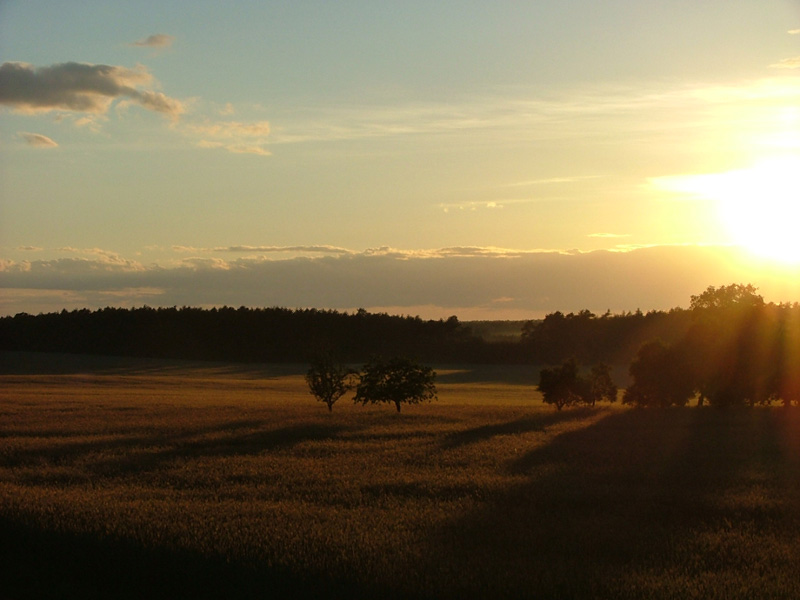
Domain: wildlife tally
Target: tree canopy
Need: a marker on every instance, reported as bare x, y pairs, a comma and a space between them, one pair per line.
660, 377
329, 380
735, 295
564, 386
737, 351
396, 381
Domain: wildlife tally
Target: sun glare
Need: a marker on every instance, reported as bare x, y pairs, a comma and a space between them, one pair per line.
758, 207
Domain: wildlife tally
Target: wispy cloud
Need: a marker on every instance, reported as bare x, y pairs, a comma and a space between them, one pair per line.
322, 249
232, 129
475, 205
98, 256
80, 87
157, 40
37, 140
794, 32
235, 148
245, 249
598, 112
234, 136
609, 235
787, 63
552, 180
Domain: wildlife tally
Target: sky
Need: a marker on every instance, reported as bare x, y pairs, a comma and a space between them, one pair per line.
489, 160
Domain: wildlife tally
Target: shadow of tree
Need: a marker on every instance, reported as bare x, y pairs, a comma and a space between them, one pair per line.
125, 454
225, 444
537, 422
606, 510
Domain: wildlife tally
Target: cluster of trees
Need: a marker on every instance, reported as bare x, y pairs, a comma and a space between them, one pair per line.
564, 385
735, 350
738, 351
395, 381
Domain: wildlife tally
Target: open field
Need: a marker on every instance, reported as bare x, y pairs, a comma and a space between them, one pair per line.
136, 479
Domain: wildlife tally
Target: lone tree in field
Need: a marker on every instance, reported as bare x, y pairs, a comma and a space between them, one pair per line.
398, 381
564, 386
329, 380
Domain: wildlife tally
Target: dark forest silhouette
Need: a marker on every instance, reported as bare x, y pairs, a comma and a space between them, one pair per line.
729, 347
284, 335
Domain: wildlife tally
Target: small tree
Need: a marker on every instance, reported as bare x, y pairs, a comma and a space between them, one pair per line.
329, 380
397, 381
561, 385
601, 385
564, 386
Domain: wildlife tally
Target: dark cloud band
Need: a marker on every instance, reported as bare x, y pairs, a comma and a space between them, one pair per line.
532, 283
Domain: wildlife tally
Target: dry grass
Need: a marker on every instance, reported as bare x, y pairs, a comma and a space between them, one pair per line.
230, 483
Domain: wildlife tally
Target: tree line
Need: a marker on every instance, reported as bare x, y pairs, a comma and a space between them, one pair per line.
729, 346
285, 335
734, 350
240, 335
738, 351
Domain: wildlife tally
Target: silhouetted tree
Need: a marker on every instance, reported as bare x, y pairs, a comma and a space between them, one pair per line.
660, 377
732, 343
563, 385
396, 381
329, 380
601, 385
736, 295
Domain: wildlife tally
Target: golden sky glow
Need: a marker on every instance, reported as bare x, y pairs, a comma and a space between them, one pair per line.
758, 207
147, 150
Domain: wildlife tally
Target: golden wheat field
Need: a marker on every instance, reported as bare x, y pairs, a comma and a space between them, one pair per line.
216, 481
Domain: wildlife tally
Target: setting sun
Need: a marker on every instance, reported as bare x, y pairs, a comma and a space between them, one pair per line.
758, 207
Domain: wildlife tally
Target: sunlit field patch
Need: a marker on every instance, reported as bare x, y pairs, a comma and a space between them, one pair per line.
209, 484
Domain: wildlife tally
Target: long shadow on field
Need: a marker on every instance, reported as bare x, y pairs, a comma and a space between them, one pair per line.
622, 496
225, 444
537, 422
41, 565
120, 438
125, 454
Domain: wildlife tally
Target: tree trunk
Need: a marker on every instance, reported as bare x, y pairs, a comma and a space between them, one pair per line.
397, 404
